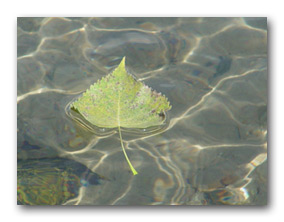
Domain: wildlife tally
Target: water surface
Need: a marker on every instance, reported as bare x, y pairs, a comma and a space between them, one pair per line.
214, 73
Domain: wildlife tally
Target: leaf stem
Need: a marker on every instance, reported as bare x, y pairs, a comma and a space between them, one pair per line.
126, 157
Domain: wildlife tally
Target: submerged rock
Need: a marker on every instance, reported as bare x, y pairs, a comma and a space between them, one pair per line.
51, 181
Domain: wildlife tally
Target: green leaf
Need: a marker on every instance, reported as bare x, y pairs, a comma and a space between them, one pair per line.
119, 100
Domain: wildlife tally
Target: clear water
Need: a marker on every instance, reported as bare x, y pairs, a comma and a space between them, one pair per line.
214, 149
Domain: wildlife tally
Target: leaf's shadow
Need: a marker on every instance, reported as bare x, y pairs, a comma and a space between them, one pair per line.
105, 132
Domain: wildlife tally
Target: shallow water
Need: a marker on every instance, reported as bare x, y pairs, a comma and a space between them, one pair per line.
214, 148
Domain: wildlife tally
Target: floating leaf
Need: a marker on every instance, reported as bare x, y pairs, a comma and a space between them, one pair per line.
118, 100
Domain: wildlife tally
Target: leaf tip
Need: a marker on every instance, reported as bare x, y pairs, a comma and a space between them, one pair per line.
122, 62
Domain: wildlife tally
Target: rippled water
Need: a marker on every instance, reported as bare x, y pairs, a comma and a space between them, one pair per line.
214, 148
